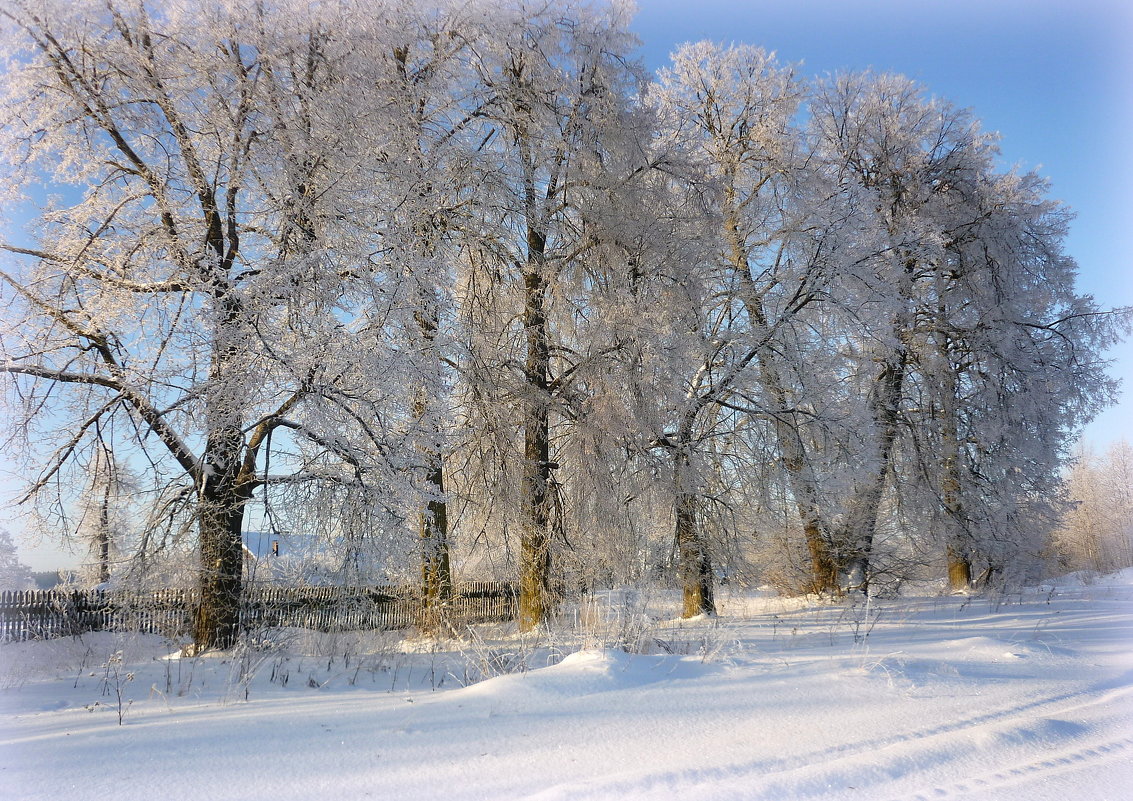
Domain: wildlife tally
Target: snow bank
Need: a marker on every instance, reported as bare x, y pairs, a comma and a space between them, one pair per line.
1028, 697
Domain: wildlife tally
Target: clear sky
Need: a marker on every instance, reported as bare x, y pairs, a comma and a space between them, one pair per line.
1055, 78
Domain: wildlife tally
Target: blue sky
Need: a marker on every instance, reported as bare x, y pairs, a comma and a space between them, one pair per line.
1054, 78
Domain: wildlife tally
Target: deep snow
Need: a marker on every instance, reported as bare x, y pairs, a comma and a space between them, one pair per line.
1026, 696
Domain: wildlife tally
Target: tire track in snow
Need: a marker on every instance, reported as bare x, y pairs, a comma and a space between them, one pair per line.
903, 755
1051, 746
836, 769
1034, 770
1083, 698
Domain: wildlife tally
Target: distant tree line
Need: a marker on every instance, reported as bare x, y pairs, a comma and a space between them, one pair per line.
1096, 531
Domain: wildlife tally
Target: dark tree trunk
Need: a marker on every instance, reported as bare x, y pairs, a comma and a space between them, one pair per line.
788, 435
824, 570
695, 563
222, 493
535, 536
221, 516
436, 572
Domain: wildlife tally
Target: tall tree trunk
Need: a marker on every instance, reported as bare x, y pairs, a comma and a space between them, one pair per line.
788, 436
956, 538
222, 491
436, 570
695, 563
793, 457
535, 536
856, 540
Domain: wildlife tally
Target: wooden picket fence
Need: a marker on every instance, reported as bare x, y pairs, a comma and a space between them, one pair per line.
42, 614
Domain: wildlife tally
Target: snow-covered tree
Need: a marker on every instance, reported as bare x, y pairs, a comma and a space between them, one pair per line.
556, 82
106, 508
14, 574
424, 280
1096, 531
184, 283
733, 110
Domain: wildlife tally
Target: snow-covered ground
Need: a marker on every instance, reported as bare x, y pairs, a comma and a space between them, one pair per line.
1028, 696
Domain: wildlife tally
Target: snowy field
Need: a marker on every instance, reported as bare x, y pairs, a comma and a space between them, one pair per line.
1027, 696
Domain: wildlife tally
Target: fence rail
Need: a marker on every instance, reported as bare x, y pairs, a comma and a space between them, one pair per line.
42, 614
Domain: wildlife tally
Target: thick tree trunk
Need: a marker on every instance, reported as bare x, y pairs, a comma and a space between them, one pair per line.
854, 544
221, 516
824, 570
535, 539
959, 570
535, 536
436, 572
222, 493
695, 563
